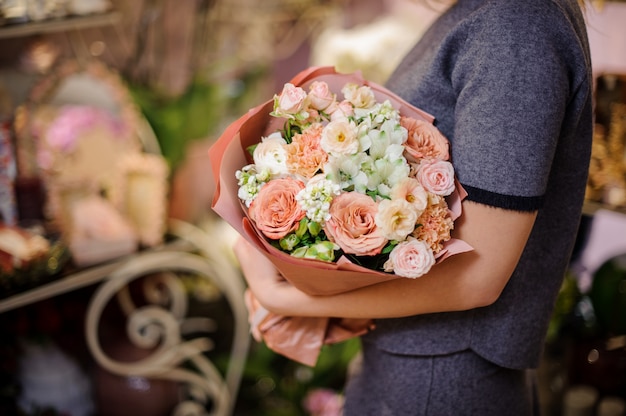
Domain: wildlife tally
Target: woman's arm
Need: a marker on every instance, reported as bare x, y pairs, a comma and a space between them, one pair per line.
461, 282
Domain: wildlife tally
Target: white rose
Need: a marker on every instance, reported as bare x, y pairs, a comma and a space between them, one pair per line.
271, 155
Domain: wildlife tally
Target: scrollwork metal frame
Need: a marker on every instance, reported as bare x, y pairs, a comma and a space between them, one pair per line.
160, 325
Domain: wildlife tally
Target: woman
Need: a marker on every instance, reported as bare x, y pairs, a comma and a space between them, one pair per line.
509, 83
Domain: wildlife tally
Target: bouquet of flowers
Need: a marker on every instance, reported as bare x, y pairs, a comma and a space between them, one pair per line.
340, 175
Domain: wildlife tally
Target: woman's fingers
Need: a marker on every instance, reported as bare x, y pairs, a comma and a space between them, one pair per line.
257, 269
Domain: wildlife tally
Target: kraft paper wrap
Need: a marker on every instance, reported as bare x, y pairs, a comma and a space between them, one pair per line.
299, 338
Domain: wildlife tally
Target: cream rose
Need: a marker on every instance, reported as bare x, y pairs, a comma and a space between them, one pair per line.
340, 138
424, 141
412, 191
412, 258
352, 225
275, 210
436, 176
271, 155
396, 218
320, 96
359, 96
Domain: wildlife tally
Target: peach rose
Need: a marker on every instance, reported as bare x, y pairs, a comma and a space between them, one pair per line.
320, 95
275, 210
411, 258
352, 225
436, 176
424, 141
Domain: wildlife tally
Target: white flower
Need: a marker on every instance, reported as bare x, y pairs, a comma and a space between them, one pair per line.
365, 141
396, 133
395, 152
380, 142
250, 182
347, 171
387, 141
316, 197
385, 111
377, 114
270, 154
390, 172
373, 177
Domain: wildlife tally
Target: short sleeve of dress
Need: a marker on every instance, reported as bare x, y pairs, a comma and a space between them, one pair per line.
512, 84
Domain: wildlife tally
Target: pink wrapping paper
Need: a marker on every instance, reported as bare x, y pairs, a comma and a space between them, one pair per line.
300, 338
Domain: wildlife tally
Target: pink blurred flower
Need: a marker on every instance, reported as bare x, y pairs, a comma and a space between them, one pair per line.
73, 120
323, 402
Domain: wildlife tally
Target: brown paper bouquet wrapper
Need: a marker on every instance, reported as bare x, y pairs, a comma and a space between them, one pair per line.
300, 338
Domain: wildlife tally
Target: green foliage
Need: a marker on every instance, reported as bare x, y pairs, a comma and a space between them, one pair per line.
201, 111
608, 295
177, 120
565, 303
276, 386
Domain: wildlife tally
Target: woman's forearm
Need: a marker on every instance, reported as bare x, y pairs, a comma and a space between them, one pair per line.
461, 282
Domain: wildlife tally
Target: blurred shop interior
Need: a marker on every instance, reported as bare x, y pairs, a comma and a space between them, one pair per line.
118, 291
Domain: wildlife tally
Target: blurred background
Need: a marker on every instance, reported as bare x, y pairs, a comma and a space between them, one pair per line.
136, 92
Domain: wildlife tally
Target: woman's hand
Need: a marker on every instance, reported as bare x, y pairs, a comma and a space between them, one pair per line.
268, 286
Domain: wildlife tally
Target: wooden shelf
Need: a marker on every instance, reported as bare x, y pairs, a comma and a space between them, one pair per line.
82, 278
58, 25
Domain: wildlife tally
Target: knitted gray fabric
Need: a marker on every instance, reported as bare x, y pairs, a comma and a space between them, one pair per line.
509, 83
459, 384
